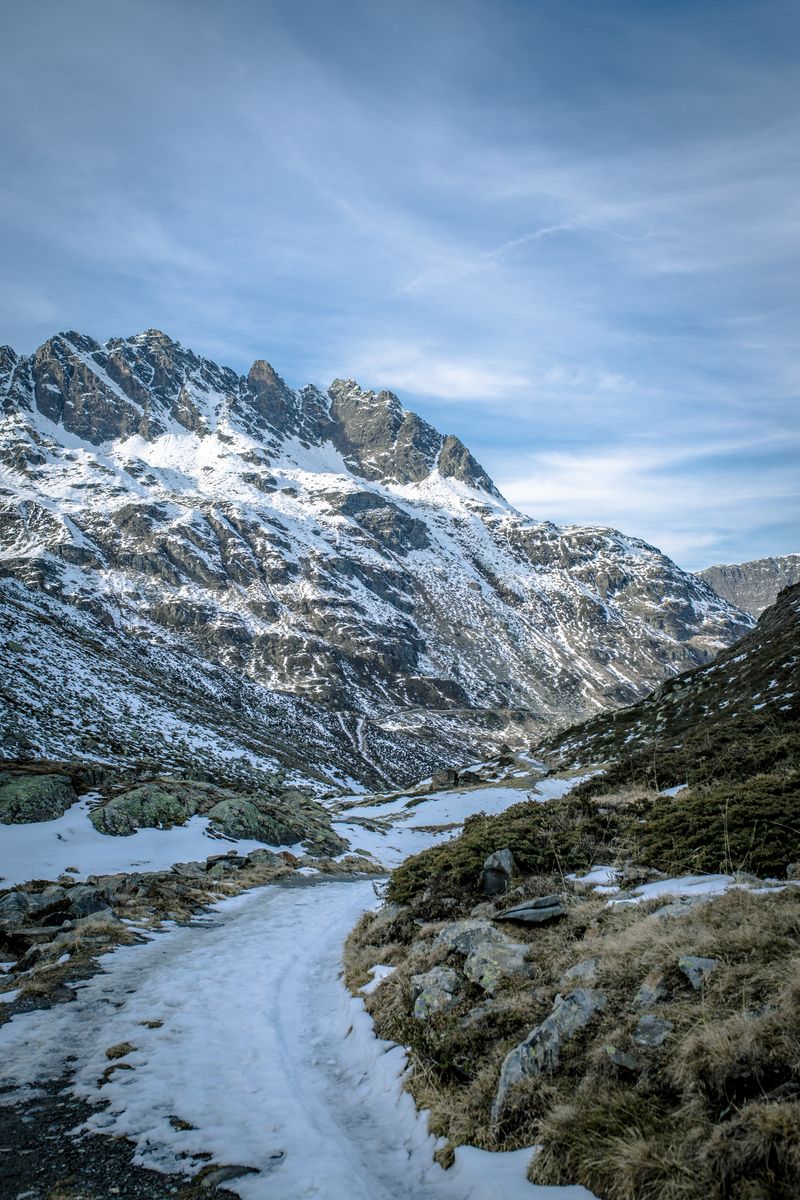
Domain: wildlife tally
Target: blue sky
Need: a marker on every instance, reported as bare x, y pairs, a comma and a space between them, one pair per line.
566, 231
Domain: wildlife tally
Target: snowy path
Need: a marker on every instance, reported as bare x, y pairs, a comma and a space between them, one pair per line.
263, 1052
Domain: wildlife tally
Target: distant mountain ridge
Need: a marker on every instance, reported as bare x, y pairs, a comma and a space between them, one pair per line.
753, 586
213, 564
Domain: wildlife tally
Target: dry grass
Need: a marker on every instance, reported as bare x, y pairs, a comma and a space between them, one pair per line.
711, 1115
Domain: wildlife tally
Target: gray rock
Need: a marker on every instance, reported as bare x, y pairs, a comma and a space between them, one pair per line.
85, 899
622, 1058
697, 970
534, 912
653, 990
435, 991
651, 1032
467, 935
490, 964
17, 908
496, 874
540, 1052
584, 972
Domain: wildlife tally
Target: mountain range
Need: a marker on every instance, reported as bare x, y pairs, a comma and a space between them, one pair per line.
199, 565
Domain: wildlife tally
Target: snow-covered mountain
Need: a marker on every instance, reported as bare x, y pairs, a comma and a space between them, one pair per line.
201, 564
753, 586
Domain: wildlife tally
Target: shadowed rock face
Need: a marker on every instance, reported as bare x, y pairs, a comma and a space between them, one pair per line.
330, 548
753, 586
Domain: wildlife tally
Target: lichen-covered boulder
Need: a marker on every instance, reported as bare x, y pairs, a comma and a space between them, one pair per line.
490, 964
435, 991
148, 806
540, 1052
28, 798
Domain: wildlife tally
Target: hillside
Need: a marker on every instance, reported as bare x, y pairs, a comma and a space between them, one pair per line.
612, 975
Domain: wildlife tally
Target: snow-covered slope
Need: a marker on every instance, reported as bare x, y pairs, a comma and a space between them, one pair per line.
200, 562
753, 585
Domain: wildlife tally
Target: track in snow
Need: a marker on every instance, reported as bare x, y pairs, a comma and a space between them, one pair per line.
263, 1052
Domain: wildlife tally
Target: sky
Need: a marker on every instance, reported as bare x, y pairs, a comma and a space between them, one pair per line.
566, 231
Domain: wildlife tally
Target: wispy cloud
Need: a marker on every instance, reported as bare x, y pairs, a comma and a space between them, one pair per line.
422, 371
574, 228
688, 499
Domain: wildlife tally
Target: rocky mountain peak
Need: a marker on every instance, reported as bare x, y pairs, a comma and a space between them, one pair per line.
332, 547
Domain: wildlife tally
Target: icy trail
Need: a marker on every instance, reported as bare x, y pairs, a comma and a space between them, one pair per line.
261, 1050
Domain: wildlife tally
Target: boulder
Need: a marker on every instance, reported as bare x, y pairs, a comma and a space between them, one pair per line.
29, 798
85, 900
435, 991
467, 935
697, 970
445, 777
534, 912
18, 908
540, 1052
145, 807
496, 875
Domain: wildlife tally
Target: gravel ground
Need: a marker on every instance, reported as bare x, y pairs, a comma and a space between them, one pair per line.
42, 1157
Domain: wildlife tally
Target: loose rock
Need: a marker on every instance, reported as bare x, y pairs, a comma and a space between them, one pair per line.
435, 991
697, 970
651, 1032
496, 874
534, 912
540, 1051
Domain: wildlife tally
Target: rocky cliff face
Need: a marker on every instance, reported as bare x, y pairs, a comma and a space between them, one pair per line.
753, 586
320, 579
